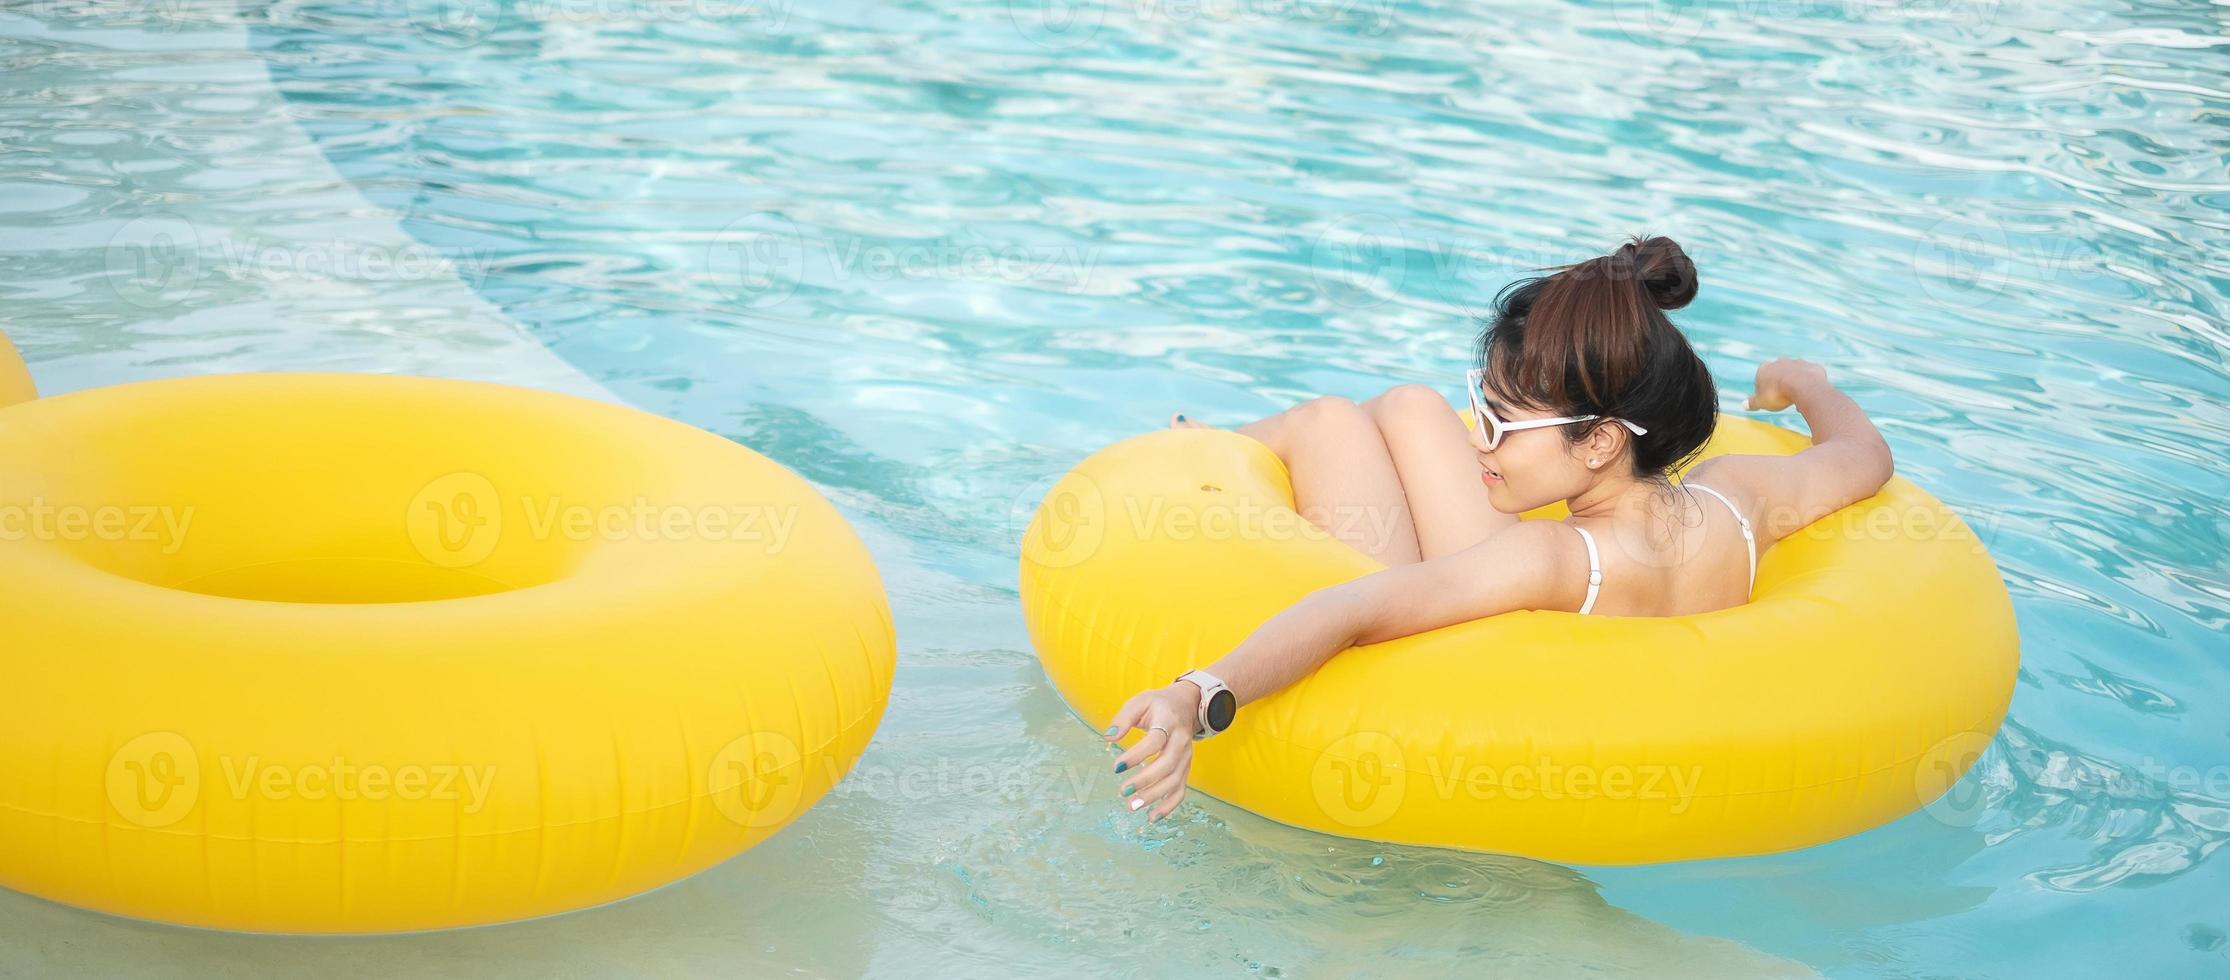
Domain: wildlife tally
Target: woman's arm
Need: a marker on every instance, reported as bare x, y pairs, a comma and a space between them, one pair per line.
1847, 462
1526, 566
1510, 570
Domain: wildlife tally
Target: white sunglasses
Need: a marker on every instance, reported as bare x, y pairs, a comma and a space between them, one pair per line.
1496, 427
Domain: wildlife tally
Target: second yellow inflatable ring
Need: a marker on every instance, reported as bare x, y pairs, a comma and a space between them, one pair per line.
343, 653
1872, 665
15, 378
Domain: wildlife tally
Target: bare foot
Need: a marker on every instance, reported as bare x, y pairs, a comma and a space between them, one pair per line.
1181, 422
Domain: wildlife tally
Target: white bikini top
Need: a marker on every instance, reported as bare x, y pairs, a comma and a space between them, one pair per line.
1595, 558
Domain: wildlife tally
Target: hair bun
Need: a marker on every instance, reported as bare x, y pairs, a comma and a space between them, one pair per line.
1662, 269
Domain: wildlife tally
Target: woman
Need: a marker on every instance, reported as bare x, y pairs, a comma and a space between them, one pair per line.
1585, 393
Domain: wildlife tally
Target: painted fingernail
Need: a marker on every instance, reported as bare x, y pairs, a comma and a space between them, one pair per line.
1135, 804
1180, 418
1120, 766
1128, 790
1112, 730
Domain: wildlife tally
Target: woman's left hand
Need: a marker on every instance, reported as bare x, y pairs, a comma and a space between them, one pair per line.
1168, 715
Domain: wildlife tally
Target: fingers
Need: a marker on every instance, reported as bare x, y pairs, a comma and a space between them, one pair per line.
1173, 756
1169, 803
1161, 783
1158, 763
1157, 735
1126, 717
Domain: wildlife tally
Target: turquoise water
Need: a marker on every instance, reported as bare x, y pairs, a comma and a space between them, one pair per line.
930, 255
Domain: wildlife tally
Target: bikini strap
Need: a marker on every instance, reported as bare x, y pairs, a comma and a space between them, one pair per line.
1749, 540
1594, 568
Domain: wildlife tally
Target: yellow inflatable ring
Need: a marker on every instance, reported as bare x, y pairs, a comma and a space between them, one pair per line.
1871, 667
340, 654
15, 378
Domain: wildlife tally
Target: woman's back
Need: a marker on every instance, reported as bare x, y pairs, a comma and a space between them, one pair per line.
1691, 552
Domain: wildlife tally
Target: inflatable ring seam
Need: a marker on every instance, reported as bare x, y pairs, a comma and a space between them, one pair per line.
690, 800
1859, 777
1265, 732
183, 585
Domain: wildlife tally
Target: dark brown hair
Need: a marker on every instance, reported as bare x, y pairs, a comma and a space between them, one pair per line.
1592, 338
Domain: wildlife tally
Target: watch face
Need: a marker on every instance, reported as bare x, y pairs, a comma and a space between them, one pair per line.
1221, 709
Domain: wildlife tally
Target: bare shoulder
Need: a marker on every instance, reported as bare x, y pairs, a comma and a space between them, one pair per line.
1782, 494
1520, 557
1525, 566
1545, 555
1748, 478
1542, 539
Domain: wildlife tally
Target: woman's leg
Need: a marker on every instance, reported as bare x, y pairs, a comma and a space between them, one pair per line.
1343, 479
1439, 470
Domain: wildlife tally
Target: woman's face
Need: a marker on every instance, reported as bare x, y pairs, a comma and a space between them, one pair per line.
1531, 467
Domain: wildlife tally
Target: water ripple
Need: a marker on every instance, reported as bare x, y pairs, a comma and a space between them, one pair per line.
930, 254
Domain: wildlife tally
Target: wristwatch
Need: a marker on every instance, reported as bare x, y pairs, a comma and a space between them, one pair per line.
1218, 706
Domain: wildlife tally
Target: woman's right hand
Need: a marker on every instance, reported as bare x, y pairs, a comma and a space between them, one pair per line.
1781, 380
1160, 762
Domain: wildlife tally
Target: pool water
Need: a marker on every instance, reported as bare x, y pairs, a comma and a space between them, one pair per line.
931, 254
